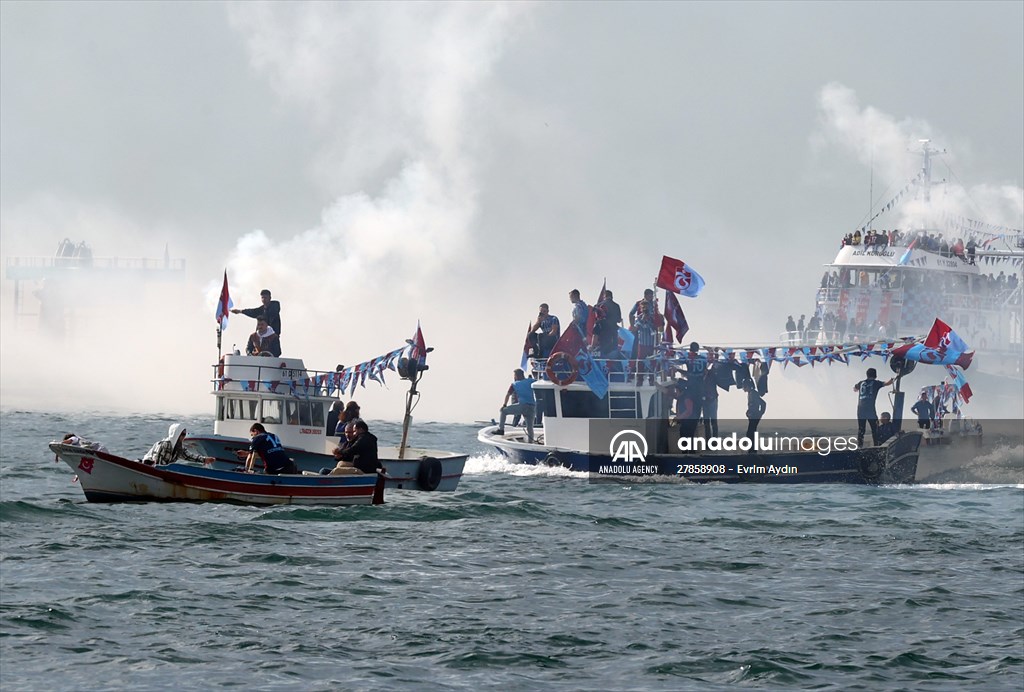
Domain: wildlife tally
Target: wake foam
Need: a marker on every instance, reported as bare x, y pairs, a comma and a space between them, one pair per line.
493, 463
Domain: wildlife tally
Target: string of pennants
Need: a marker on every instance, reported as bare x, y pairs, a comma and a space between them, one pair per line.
1015, 261
894, 201
804, 355
980, 228
326, 384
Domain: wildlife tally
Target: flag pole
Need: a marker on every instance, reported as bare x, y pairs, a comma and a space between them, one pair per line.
407, 419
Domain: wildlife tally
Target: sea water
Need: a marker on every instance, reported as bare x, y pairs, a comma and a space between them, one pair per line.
525, 578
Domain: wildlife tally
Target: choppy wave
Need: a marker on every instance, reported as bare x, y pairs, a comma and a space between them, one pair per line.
526, 578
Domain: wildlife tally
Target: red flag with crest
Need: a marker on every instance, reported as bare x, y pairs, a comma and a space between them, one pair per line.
674, 318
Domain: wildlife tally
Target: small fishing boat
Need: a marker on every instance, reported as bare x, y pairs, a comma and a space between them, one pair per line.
105, 477
959, 431
293, 403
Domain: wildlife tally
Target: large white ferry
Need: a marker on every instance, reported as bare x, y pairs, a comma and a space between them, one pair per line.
889, 283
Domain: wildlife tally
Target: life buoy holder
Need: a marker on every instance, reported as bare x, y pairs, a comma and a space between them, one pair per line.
429, 473
566, 360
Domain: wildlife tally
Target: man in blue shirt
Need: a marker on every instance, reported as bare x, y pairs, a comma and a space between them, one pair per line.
580, 312
525, 406
550, 330
268, 447
867, 390
924, 410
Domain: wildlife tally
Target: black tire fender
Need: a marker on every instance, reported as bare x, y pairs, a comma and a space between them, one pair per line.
871, 467
554, 460
428, 475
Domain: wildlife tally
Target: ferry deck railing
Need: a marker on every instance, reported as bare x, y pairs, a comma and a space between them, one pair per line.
274, 379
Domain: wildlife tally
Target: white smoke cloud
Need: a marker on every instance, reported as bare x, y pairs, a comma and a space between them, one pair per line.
391, 92
890, 147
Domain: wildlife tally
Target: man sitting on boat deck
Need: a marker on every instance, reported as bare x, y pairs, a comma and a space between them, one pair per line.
886, 428
525, 405
264, 341
359, 454
172, 448
550, 330
267, 445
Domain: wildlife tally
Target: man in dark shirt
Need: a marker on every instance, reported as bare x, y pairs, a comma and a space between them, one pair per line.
268, 447
359, 453
270, 309
607, 328
886, 428
867, 390
755, 408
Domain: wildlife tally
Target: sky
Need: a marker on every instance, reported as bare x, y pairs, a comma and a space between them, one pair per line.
456, 164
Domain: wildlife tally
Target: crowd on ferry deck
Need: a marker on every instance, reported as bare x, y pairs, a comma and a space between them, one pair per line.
944, 282
930, 242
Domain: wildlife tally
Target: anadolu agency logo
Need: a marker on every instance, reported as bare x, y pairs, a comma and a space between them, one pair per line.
628, 446
628, 451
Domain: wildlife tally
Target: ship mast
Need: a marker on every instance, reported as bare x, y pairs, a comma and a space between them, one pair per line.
926, 168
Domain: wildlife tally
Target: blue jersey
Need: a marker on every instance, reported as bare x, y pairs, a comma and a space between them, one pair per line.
524, 391
548, 322
867, 390
268, 447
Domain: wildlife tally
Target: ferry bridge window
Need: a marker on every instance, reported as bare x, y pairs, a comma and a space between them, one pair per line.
545, 402
317, 409
304, 414
292, 409
239, 409
583, 404
222, 405
271, 411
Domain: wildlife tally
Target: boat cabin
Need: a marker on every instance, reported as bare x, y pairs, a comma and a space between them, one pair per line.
289, 400
568, 411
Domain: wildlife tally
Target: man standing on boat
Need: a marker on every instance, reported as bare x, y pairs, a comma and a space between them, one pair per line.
580, 312
867, 390
924, 410
269, 309
526, 403
755, 408
607, 328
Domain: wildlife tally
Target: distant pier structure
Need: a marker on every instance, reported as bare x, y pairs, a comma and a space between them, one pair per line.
63, 287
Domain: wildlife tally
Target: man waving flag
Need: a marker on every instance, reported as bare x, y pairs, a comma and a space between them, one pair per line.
224, 304
678, 277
